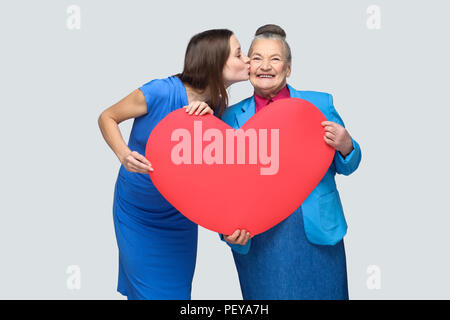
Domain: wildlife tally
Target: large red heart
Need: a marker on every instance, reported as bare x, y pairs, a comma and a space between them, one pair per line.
240, 195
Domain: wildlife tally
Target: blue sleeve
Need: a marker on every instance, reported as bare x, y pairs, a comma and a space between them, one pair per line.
351, 162
155, 92
242, 249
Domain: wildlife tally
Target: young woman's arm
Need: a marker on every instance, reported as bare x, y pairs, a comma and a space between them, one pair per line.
132, 106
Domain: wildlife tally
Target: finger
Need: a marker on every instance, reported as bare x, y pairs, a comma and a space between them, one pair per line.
234, 235
131, 168
207, 110
201, 107
329, 142
143, 162
140, 157
330, 129
135, 162
247, 236
330, 135
327, 123
146, 167
242, 236
140, 170
147, 162
194, 107
139, 164
190, 106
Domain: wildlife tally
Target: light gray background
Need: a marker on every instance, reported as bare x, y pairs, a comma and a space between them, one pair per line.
57, 173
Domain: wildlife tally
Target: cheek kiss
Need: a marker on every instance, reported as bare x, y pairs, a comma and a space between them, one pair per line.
213, 152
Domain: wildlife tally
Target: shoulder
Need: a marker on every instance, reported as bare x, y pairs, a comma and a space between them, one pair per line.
324, 96
315, 97
158, 91
157, 87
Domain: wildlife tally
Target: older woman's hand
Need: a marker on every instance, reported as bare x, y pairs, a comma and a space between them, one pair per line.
337, 137
238, 237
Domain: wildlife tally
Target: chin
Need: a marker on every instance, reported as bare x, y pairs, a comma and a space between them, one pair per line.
266, 86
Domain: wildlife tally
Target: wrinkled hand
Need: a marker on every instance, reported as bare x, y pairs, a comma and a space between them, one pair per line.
337, 137
238, 237
201, 107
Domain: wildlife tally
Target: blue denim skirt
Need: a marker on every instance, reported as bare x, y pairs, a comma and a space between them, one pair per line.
283, 264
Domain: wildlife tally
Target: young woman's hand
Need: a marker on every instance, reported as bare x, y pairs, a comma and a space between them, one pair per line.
135, 162
199, 107
238, 237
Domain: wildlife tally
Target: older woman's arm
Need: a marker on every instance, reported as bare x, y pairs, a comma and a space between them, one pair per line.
346, 161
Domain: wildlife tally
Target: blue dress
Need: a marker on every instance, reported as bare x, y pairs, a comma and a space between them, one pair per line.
283, 265
157, 244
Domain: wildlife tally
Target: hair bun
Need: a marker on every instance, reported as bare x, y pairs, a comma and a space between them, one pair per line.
271, 29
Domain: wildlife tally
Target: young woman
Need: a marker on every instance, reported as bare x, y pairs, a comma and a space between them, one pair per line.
157, 244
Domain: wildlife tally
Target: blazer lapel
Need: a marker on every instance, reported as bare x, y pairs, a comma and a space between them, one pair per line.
248, 108
246, 112
294, 93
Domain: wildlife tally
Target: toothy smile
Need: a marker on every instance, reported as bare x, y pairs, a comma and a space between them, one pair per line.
266, 76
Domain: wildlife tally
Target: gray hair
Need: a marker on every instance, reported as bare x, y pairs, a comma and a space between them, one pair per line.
271, 31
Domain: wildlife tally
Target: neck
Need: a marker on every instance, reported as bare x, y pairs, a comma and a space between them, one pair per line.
227, 84
196, 95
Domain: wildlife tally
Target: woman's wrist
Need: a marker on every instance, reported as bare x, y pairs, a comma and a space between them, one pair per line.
347, 152
121, 155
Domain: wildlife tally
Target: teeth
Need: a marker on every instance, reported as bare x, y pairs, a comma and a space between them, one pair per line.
265, 76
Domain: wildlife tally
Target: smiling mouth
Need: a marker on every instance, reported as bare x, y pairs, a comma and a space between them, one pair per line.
266, 76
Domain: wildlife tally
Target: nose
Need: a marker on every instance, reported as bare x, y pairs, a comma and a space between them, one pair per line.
265, 65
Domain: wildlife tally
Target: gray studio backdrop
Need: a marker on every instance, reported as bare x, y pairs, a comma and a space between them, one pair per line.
64, 62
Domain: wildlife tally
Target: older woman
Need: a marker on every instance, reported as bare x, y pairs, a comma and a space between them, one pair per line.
302, 257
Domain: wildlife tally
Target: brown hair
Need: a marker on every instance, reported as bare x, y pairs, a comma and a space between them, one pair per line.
272, 31
205, 58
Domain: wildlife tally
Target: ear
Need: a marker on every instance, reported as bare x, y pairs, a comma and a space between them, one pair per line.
288, 73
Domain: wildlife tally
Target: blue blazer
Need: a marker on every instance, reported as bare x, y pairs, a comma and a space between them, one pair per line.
323, 215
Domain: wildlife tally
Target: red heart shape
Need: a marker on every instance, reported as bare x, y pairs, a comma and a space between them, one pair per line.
240, 195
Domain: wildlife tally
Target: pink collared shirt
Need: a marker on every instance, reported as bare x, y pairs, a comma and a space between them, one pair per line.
261, 102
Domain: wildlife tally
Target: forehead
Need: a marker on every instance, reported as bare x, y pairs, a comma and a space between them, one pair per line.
267, 47
234, 43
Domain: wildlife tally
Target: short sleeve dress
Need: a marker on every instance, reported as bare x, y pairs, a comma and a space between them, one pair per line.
157, 244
